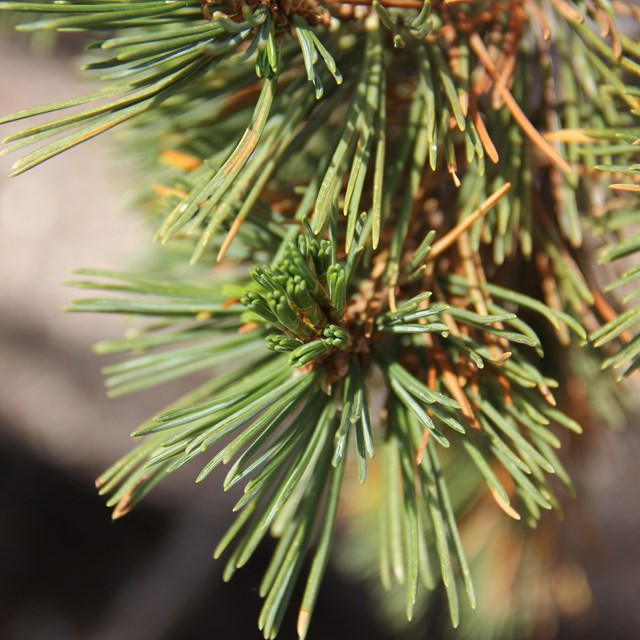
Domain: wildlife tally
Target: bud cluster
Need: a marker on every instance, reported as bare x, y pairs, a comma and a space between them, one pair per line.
304, 296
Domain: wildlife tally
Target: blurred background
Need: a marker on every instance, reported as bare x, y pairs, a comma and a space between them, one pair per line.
67, 571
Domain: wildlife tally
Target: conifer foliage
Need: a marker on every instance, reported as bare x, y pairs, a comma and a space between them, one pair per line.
402, 199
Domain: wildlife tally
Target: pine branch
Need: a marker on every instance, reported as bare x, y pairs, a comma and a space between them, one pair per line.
345, 147
277, 422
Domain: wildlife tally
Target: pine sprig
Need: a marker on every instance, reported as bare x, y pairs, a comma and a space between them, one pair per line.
346, 149
284, 428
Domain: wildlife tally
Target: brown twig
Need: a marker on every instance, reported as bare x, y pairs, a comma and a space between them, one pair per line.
510, 102
448, 239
